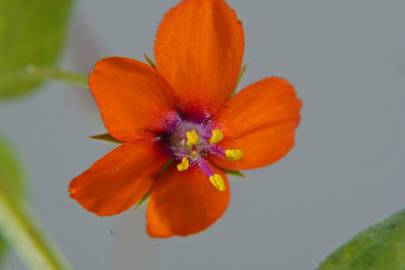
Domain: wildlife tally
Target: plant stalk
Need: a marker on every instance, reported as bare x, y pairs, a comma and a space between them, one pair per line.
50, 73
22, 233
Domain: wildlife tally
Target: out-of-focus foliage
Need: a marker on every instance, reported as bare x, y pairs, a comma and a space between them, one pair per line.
18, 224
11, 179
32, 32
381, 247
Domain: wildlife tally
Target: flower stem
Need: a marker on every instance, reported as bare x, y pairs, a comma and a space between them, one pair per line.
19, 228
50, 73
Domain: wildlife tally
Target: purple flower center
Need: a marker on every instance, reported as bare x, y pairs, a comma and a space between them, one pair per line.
190, 144
191, 141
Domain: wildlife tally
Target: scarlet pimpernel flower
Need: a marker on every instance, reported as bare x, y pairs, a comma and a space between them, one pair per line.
180, 125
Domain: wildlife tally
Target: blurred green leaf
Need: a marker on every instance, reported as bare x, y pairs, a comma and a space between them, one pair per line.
10, 170
32, 32
3, 250
380, 247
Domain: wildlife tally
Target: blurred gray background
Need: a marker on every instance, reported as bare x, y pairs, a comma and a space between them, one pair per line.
347, 61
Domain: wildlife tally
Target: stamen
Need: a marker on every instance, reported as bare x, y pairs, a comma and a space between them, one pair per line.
218, 182
183, 166
192, 138
233, 154
216, 136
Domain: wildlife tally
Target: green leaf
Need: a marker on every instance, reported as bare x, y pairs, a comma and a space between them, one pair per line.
381, 247
31, 33
10, 171
105, 137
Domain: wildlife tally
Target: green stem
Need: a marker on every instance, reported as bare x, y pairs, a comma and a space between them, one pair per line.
50, 73
19, 228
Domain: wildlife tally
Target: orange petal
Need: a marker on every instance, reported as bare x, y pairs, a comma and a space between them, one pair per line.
120, 179
261, 121
131, 96
183, 203
199, 49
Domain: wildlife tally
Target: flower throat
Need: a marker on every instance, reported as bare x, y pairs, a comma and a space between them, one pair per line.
192, 142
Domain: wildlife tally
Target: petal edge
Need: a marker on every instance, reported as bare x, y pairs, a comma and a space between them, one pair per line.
118, 180
199, 49
261, 121
184, 203
132, 97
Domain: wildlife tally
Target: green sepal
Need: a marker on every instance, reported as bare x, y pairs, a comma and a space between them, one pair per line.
230, 172
142, 200
162, 170
105, 137
242, 73
149, 60
166, 166
234, 173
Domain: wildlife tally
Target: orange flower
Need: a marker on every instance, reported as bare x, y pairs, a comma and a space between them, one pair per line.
183, 111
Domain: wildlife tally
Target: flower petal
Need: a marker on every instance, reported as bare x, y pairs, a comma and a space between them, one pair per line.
261, 121
132, 97
183, 203
199, 49
120, 179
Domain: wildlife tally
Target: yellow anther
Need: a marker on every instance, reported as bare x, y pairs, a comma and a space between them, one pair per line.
192, 138
216, 136
183, 166
218, 182
233, 154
